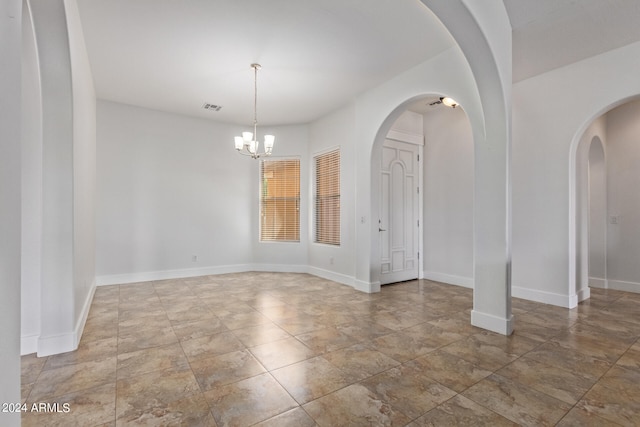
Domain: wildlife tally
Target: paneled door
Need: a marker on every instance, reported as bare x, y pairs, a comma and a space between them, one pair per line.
398, 224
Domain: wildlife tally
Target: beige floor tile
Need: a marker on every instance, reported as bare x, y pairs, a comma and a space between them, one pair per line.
311, 379
72, 378
401, 347
260, 334
552, 380
517, 402
149, 349
151, 394
87, 351
615, 397
225, 369
408, 390
360, 361
450, 371
249, 401
296, 417
211, 345
460, 411
151, 359
146, 338
277, 354
199, 328
90, 407
325, 340
354, 406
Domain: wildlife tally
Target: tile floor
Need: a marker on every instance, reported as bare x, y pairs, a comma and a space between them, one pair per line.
273, 349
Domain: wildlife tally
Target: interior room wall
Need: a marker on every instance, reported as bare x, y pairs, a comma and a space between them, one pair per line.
335, 130
587, 188
448, 197
66, 129
10, 101
623, 198
84, 168
597, 212
170, 188
545, 136
31, 120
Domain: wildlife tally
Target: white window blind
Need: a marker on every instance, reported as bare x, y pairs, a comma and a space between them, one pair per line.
327, 198
280, 200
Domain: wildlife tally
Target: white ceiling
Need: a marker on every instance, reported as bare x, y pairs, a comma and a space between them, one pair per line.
549, 34
316, 55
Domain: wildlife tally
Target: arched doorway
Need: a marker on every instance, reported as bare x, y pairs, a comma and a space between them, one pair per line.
478, 76
605, 211
433, 144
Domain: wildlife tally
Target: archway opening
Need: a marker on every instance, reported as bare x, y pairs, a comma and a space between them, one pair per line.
440, 231
607, 215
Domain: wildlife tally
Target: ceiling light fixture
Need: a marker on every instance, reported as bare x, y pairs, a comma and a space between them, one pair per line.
449, 102
248, 143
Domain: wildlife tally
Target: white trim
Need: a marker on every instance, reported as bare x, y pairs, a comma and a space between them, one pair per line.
584, 294
48, 345
55, 344
598, 282
620, 285
147, 276
560, 300
279, 268
492, 323
410, 138
368, 287
450, 279
82, 320
332, 275
29, 344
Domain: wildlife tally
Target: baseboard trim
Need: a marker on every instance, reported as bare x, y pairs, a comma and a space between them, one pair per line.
544, 297
332, 275
29, 344
466, 282
118, 279
368, 287
82, 320
620, 285
598, 282
147, 276
492, 323
56, 344
277, 268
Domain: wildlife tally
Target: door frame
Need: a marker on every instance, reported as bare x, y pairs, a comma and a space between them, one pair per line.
419, 141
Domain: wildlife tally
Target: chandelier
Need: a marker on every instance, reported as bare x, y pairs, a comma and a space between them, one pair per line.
248, 144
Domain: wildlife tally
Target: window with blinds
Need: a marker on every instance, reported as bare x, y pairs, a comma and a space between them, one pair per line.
280, 200
327, 198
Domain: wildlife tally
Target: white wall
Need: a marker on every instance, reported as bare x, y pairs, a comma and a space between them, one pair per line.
597, 211
546, 136
448, 197
623, 181
170, 187
586, 188
84, 168
59, 170
10, 224
335, 130
31, 117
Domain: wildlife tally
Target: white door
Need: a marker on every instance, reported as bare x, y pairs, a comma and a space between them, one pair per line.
398, 224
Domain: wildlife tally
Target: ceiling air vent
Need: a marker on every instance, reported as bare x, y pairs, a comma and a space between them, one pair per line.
212, 107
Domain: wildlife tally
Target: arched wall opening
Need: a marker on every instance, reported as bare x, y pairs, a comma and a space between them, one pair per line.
604, 208
478, 75
443, 232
